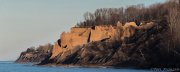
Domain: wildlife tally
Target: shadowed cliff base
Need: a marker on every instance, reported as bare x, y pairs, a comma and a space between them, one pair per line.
142, 37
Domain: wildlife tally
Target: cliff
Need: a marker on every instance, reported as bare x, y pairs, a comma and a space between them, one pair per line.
35, 55
128, 45
124, 45
82, 36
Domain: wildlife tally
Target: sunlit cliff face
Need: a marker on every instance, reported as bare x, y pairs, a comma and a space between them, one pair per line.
81, 36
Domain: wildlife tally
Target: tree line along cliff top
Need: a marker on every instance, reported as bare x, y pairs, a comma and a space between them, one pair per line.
135, 13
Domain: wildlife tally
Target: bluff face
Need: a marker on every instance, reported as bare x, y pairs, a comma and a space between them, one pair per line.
126, 45
82, 36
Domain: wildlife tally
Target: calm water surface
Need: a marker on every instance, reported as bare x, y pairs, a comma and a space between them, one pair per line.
7, 66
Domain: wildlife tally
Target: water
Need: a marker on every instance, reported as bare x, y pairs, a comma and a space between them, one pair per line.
6, 66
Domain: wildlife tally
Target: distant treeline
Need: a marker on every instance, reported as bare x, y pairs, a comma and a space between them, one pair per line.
41, 49
136, 13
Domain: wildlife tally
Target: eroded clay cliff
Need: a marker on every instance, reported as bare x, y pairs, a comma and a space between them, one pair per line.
82, 36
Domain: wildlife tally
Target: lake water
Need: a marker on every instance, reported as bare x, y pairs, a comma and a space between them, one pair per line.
7, 66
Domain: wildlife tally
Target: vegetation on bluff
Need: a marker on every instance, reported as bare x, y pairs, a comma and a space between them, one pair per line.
137, 13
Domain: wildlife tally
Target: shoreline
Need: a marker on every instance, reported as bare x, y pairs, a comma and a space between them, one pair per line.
92, 66
75, 65
103, 66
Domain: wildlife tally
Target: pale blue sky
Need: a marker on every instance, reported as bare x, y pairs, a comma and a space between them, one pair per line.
26, 23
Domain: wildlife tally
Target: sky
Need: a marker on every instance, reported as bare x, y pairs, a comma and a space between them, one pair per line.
26, 23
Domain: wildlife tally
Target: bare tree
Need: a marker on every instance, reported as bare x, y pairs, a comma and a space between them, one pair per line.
174, 20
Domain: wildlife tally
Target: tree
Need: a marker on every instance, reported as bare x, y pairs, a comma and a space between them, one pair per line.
174, 20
